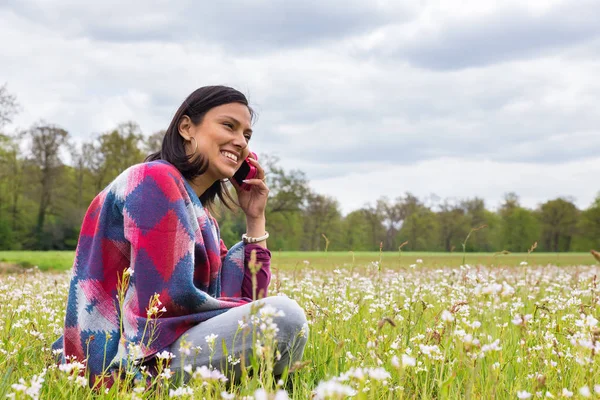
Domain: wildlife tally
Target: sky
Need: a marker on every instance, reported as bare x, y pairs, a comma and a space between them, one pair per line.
374, 98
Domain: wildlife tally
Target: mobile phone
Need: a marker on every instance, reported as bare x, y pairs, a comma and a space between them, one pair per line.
246, 171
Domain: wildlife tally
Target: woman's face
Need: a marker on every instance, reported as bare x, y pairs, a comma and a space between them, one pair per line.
222, 138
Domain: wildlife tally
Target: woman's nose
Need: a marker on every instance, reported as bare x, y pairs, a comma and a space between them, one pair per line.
240, 140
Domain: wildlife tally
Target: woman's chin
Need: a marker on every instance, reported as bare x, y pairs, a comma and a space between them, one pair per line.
227, 174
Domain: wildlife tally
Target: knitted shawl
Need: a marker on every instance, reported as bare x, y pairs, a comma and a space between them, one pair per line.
149, 220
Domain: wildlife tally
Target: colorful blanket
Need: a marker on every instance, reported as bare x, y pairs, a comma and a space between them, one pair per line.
149, 232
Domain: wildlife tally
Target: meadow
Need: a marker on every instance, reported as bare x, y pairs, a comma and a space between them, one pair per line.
382, 326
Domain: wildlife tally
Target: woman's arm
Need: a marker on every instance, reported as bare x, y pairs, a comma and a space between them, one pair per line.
253, 202
256, 227
263, 275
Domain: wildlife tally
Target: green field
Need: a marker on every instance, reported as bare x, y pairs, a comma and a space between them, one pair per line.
490, 329
289, 260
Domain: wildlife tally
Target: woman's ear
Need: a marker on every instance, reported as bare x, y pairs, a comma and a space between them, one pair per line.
185, 127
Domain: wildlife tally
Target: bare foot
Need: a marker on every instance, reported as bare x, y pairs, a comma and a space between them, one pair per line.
596, 254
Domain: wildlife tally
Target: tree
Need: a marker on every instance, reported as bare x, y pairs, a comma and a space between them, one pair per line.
588, 228
453, 225
393, 214
559, 221
420, 229
78, 159
288, 190
358, 232
10, 190
288, 193
9, 106
321, 217
519, 228
46, 143
476, 215
153, 143
376, 227
113, 152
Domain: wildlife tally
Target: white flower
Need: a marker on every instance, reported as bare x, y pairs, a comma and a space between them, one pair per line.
523, 394
408, 361
419, 261
379, 374
523, 263
585, 391
447, 316
281, 395
72, 366
518, 320
332, 388
128, 271
428, 350
507, 290
135, 351
567, 393
494, 346
468, 339
227, 396
269, 311
81, 381
210, 340
260, 394
591, 321
33, 389
181, 391
166, 374
395, 362
206, 374
165, 355
597, 389
185, 349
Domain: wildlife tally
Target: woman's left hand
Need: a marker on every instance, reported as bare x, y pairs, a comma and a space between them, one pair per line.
253, 201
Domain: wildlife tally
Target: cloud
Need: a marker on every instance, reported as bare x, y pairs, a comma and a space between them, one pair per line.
459, 178
240, 26
520, 111
336, 92
509, 33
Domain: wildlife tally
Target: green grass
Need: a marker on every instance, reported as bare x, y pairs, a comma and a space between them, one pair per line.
289, 260
486, 331
430, 259
44, 260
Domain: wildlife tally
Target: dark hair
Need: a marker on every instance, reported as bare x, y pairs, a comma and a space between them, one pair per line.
195, 106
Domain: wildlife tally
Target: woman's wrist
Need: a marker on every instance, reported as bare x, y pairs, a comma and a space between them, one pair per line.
256, 227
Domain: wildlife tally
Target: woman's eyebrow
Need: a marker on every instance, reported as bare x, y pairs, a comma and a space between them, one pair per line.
236, 122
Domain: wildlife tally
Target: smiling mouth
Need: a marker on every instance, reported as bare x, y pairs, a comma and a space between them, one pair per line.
230, 156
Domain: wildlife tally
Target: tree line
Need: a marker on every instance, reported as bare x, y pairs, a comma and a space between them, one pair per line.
43, 199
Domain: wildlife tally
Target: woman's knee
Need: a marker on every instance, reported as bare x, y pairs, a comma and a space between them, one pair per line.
293, 323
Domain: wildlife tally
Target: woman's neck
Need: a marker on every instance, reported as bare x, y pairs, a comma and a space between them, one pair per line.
201, 183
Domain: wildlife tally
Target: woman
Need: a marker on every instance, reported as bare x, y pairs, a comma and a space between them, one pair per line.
151, 272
